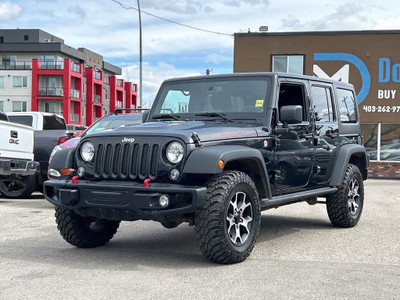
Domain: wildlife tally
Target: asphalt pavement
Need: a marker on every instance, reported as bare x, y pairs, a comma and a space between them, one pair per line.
298, 255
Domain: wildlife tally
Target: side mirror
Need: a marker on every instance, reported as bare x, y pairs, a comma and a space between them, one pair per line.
291, 114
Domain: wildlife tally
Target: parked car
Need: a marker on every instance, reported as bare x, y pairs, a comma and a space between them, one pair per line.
75, 130
50, 130
109, 122
17, 168
388, 152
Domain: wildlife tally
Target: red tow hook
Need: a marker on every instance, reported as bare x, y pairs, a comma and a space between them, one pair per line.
74, 179
146, 182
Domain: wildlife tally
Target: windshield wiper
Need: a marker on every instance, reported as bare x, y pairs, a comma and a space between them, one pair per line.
214, 114
166, 116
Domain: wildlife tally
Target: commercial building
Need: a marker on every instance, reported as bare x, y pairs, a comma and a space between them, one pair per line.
38, 72
370, 60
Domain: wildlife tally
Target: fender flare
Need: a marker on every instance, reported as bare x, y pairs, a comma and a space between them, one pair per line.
349, 153
63, 159
205, 161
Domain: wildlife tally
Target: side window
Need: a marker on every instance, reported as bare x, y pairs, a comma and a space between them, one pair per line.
347, 106
292, 94
322, 103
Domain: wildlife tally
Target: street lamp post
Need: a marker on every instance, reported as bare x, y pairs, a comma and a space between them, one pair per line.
140, 55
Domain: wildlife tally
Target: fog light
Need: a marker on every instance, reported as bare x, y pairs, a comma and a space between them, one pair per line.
163, 200
54, 173
81, 171
174, 174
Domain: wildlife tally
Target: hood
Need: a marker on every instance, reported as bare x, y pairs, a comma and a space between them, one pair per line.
206, 131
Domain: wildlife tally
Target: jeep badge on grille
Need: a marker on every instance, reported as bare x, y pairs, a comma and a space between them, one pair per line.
128, 140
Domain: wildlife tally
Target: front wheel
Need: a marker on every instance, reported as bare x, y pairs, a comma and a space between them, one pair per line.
345, 206
229, 223
84, 232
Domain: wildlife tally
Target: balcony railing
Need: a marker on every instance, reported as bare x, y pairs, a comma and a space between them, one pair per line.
15, 65
97, 99
46, 65
51, 91
75, 93
75, 67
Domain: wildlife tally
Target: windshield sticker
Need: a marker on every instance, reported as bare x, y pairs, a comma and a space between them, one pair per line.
259, 103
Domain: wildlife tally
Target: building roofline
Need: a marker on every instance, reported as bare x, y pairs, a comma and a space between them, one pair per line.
112, 68
300, 33
42, 47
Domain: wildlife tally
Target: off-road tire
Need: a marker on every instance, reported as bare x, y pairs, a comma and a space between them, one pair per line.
84, 232
216, 223
21, 187
345, 206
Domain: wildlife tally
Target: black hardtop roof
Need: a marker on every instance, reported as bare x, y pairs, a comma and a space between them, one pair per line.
274, 75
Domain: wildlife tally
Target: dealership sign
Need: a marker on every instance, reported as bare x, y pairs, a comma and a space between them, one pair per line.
370, 90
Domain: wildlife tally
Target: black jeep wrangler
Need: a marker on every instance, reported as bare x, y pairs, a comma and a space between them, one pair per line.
214, 152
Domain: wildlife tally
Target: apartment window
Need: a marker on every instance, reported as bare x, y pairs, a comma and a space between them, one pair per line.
9, 60
26, 37
1, 105
19, 106
1, 81
20, 81
288, 63
1, 39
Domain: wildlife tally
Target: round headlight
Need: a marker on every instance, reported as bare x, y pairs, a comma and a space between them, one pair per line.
174, 152
87, 151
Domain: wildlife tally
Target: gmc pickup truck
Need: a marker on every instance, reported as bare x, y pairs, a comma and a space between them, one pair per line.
17, 168
49, 129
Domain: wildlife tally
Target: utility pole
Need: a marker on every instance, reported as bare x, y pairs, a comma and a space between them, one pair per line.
140, 55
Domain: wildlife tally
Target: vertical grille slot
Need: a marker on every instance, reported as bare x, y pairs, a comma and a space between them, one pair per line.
145, 158
116, 163
125, 160
134, 161
107, 160
99, 159
154, 161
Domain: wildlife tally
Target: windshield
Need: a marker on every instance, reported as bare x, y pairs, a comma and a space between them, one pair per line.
215, 95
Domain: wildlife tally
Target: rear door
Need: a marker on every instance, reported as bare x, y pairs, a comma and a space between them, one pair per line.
326, 130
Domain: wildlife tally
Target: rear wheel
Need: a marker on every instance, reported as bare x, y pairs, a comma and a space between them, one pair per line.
84, 232
345, 206
228, 225
18, 187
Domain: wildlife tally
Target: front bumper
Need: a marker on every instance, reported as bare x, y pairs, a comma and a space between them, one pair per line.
124, 200
18, 167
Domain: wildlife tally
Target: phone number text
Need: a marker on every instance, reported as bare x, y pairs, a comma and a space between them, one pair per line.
383, 108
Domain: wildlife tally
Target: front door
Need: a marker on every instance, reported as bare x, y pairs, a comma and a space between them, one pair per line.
294, 144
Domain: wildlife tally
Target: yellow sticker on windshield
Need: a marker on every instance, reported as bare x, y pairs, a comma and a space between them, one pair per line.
259, 103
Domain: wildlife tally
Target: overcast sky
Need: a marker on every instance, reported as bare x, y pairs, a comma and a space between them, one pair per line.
172, 50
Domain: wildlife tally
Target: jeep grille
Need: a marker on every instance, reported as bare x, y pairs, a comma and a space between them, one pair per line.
126, 161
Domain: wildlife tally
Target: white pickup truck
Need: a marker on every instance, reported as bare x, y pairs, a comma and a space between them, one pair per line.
17, 168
